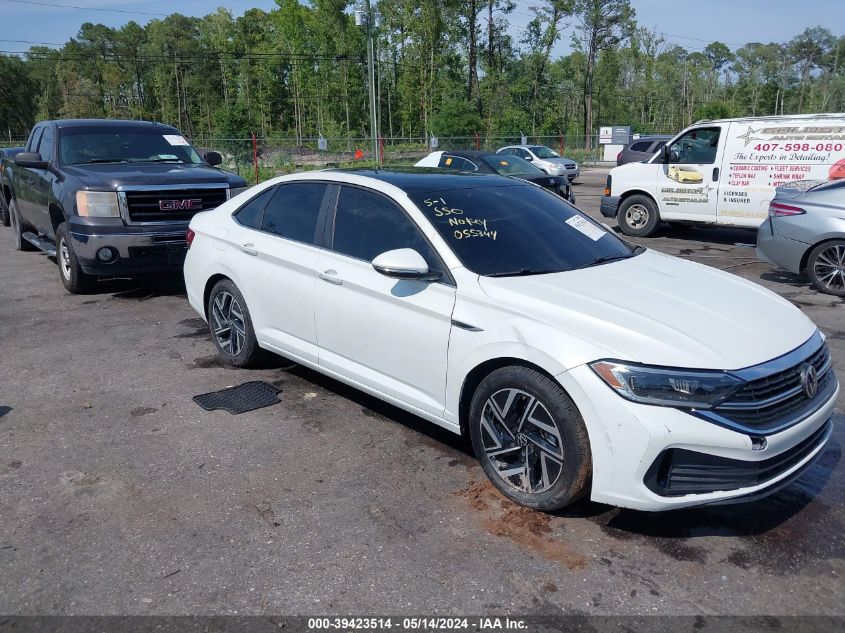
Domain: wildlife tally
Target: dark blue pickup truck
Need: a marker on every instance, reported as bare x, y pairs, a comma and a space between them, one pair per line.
110, 198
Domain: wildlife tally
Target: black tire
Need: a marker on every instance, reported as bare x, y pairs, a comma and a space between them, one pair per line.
551, 466
638, 216
826, 267
74, 279
20, 244
236, 345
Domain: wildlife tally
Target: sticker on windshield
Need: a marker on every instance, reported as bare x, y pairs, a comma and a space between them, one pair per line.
582, 225
175, 139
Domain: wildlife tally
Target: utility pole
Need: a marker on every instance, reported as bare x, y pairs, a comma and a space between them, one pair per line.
366, 17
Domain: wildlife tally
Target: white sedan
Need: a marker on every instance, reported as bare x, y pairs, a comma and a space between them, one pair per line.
577, 363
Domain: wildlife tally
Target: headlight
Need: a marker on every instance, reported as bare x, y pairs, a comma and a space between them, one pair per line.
234, 191
97, 204
669, 387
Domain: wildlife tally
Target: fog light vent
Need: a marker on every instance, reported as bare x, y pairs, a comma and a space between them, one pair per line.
758, 443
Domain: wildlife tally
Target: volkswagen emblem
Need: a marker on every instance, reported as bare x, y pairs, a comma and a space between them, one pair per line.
522, 439
809, 380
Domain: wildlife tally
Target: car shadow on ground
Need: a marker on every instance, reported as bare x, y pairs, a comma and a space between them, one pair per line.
373, 406
142, 288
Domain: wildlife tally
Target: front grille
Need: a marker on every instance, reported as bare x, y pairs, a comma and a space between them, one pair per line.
570, 165
778, 399
146, 206
678, 471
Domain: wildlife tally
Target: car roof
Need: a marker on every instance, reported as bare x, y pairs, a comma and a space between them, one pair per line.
123, 123
430, 179
652, 137
470, 153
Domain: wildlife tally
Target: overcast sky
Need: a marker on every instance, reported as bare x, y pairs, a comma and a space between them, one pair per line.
690, 23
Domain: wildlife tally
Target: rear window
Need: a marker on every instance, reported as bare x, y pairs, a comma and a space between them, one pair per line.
640, 146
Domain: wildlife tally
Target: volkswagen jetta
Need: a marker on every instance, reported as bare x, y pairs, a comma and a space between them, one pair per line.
578, 364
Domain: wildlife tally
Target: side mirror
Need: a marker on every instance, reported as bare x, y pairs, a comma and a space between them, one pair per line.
32, 160
404, 263
529, 158
213, 158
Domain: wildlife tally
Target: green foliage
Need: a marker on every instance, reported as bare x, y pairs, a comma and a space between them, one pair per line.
299, 70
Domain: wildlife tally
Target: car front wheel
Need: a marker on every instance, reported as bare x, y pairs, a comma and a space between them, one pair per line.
638, 216
530, 439
74, 279
231, 326
826, 267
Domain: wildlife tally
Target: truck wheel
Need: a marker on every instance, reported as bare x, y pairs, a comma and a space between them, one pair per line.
826, 267
231, 326
638, 216
530, 439
73, 278
17, 230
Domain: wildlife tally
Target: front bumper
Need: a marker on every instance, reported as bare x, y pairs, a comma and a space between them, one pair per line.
779, 251
138, 249
627, 439
609, 206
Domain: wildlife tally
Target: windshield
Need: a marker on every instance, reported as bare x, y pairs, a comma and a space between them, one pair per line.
511, 165
518, 230
541, 151
113, 144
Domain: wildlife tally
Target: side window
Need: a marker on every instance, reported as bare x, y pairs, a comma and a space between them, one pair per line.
524, 153
36, 137
657, 146
251, 213
294, 210
45, 147
696, 147
640, 146
367, 224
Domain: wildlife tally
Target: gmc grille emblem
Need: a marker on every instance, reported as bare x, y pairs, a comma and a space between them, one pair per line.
189, 204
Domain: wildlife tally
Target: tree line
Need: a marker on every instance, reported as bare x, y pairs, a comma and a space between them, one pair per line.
444, 67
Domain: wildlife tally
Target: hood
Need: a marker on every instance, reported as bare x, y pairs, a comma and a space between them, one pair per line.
560, 160
660, 310
113, 175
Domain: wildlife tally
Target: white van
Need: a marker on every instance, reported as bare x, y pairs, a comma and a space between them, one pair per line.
724, 172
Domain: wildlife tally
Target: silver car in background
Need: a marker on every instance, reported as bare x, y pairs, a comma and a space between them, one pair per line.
805, 232
544, 158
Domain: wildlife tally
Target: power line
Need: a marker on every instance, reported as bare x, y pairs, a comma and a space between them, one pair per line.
73, 6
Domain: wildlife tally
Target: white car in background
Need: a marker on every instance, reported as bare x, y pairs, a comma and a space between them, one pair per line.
578, 364
544, 158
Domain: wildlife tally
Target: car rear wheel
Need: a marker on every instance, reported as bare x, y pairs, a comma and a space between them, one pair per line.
638, 216
530, 439
231, 326
20, 243
74, 279
826, 267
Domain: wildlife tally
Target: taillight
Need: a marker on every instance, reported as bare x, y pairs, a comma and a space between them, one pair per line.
189, 237
619, 155
778, 209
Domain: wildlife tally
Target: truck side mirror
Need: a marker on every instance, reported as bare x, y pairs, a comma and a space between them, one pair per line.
31, 160
213, 158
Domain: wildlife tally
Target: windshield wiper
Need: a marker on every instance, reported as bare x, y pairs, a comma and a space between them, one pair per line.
522, 272
161, 160
604, 259
94, 161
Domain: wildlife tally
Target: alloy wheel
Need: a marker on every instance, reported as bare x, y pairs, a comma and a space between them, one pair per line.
228, 323
522, 441
829, 268
64, 259
636, 216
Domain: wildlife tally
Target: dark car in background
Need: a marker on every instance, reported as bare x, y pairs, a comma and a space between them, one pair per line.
805, 232
110, 198
642, 149
6, 154
504, 165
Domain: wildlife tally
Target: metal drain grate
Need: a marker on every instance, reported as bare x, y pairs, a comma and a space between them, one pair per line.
246, 397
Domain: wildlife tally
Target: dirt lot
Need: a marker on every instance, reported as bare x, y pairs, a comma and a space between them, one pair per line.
119, 495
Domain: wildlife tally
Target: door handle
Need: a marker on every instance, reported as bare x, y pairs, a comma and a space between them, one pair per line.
249, 249
715, 174
331, 276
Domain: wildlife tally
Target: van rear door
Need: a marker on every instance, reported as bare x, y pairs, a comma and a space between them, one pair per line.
688, 183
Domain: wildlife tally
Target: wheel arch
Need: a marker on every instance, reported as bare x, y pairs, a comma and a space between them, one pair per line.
806, 256
209, 284
479, 373
57, 216
638, 192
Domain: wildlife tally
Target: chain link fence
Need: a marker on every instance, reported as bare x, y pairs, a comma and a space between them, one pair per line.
262, 158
